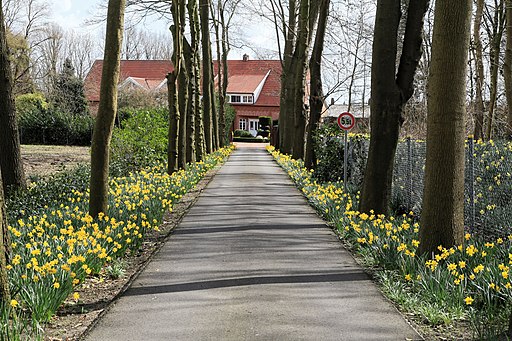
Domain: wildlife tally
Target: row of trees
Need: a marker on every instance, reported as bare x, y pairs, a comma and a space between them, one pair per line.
396, 54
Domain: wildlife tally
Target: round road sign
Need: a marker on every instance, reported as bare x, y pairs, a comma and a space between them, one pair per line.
346, 121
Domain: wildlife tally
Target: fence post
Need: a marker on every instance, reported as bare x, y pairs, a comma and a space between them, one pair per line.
409, 174
471, 185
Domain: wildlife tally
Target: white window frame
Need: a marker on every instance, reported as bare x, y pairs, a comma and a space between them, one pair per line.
242, 124
233, 97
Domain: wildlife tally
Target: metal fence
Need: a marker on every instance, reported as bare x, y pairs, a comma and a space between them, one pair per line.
488, 180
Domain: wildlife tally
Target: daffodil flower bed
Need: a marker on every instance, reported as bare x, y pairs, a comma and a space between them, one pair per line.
53, 252
469, 283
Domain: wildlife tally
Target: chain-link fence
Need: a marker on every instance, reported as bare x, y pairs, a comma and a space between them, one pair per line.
488, 179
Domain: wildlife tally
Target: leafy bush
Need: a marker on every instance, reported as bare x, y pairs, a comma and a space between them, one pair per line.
140, 142
329, 149
242, 133
41, 124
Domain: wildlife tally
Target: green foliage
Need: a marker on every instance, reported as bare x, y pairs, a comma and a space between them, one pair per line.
40, 124
242, 133
470, 281
46, 191
56, 244
140, 142
68, 94
329, 149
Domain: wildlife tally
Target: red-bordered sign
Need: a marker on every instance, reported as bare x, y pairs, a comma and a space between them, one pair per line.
346, 121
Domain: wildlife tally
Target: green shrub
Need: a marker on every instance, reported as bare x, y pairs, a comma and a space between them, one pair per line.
41, 124
140, 142
242, 133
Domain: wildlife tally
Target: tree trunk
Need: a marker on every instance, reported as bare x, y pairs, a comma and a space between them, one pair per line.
300, 55
215, 116
174, 118
107, 109
11, 164
497, 33
182, 107
389, 96
442, 217
191, 108
221, 47
224, 130
199, 140
480, 108
285, 113
316, 99
4, 241
204, 6
507, 68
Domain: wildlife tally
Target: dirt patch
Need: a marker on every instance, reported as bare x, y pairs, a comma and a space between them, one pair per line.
44, 160
73, 320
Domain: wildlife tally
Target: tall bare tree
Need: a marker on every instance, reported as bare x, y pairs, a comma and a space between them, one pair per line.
495, 28
479, 66
316, 99
11, 165
442, 217
204, 13
391, 89
507, 68
195, 32
104, 124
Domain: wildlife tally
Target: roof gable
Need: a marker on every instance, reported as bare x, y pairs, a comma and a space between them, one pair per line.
147, 73
243, 74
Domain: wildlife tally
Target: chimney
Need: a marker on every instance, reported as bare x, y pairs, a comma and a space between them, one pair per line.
245, 57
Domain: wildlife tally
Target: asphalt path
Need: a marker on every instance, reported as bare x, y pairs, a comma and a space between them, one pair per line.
252, 261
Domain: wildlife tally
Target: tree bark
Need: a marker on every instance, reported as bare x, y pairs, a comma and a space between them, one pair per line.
285, 114
479, 64
195, 31
204, 6
11, 164
497, 33
182, 89
191, 108
507, 68
107, 108
174, 118
308, 14
316, 99
442, 217
389, 96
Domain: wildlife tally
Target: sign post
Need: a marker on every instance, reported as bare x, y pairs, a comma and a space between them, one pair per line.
346, 121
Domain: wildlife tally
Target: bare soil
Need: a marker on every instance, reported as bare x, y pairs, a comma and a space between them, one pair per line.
44, 160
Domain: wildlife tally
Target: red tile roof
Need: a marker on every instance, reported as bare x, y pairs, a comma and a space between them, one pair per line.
152, 71
244, 84
252, 69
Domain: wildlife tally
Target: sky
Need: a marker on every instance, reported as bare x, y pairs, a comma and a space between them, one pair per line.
73, 14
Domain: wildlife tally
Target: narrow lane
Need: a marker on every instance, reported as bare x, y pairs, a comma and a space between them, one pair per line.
252, 261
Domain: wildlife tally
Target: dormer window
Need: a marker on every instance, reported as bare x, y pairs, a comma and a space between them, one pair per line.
244, 99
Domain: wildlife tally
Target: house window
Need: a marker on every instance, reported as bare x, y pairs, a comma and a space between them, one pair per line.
247, 99
243, 124
235, 99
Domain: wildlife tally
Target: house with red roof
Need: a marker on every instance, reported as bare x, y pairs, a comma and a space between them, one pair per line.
147, 75
254, 88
